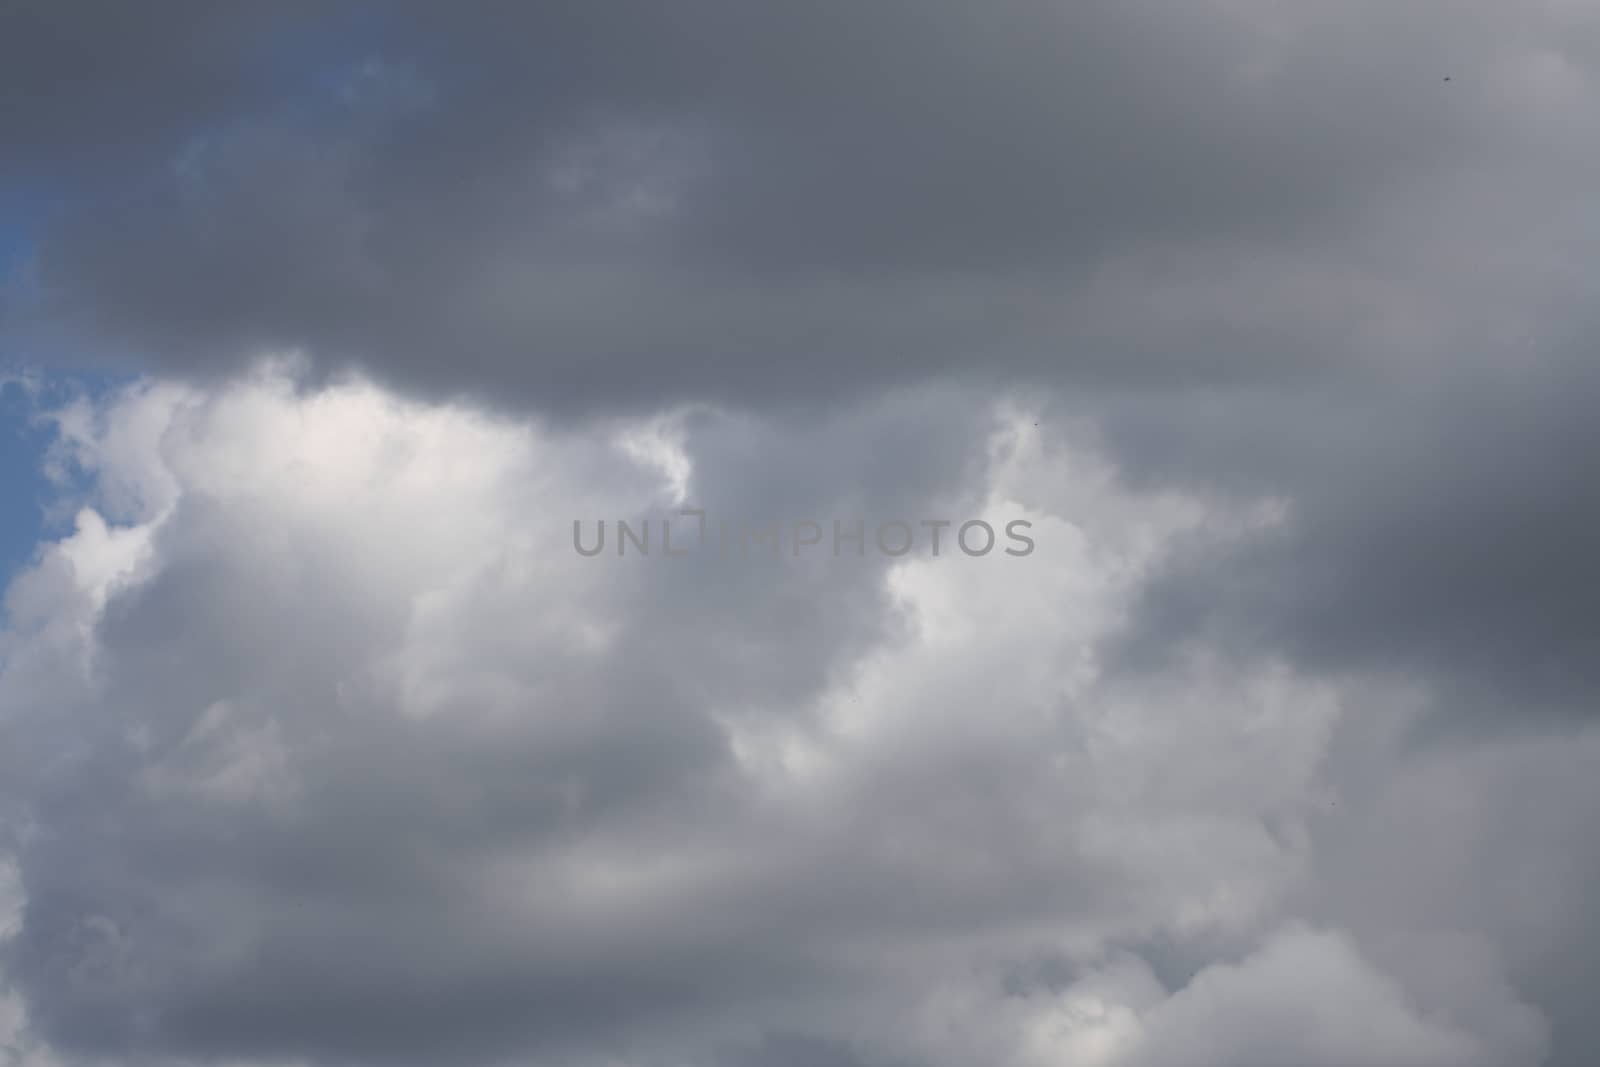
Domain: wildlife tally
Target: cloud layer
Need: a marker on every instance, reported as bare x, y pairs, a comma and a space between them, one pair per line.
331, 749
319, 744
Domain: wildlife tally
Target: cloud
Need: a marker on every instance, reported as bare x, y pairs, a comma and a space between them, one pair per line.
319, 743
353, 760
1269, 249
1313, 992
1439, 532
1034, 193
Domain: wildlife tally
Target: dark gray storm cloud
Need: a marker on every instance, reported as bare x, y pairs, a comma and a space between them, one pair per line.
625, 202
1444, 525
1287, 312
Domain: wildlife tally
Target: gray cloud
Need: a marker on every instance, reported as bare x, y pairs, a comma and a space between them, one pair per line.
305, 788
629, 204
332, 758
1443, 528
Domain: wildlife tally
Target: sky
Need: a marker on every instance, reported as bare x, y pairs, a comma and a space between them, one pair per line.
1270, 326
19, 476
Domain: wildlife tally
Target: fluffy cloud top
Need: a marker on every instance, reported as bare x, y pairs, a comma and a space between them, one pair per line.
322, 744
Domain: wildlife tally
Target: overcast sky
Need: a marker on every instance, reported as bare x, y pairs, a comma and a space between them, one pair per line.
1275, 320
